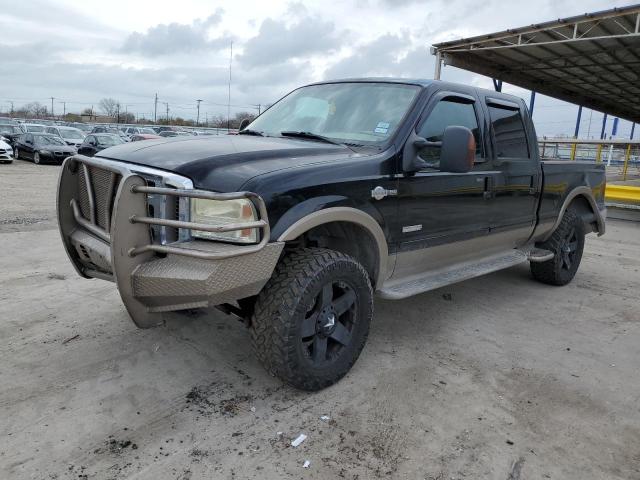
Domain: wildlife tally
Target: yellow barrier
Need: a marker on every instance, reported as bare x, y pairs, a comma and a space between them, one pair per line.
622, 193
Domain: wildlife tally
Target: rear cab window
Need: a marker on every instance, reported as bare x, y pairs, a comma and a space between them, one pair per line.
508, 130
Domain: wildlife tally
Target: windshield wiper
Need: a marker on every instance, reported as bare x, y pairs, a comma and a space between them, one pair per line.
313, 136
251, 132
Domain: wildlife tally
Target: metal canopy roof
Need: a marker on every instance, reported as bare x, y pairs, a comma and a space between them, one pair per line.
591, 60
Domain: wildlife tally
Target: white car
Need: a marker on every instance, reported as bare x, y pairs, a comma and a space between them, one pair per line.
71, 136
34, 127
6, 152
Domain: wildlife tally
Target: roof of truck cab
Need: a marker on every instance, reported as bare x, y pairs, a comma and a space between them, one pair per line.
424, 83
408, 81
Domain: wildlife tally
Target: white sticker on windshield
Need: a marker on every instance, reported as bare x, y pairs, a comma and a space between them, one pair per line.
383, 127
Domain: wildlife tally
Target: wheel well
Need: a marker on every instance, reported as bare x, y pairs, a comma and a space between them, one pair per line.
345, 237
583, 208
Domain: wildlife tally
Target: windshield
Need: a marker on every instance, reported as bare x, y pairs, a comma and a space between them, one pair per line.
148, 131
49, 140
360, 113
35, 128
108, 141
70, 133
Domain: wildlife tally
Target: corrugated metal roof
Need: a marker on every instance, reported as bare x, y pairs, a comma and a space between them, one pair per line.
591, 60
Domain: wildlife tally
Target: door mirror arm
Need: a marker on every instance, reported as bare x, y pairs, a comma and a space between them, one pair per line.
411, 162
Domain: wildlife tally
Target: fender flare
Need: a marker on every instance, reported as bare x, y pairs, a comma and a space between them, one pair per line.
343, 214
587, 193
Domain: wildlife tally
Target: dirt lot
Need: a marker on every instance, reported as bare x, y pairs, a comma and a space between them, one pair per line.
495, 378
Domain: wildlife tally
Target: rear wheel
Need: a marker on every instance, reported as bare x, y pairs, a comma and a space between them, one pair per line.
311, 320
567, 244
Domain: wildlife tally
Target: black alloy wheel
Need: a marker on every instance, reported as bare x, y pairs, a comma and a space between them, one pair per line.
311, 320
326, 329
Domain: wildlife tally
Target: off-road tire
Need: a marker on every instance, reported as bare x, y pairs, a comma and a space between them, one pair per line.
285, 302
555, 271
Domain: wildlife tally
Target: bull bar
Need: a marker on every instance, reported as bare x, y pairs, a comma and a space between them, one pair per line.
105, 224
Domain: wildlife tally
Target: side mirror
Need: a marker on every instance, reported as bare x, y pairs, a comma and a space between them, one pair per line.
28, 142
458, 150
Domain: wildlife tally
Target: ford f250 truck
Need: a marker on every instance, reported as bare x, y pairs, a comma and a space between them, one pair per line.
339, 191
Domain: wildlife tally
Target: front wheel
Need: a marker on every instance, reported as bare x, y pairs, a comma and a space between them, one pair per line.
311, 320
567, 244
16, 153
36, 158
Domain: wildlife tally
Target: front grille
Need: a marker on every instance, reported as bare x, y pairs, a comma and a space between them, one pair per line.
104, 185
103, 192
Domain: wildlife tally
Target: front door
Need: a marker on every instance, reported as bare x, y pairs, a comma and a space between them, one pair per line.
443, 217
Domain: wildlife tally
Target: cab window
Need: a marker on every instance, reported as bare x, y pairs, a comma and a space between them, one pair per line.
509, 135
448, 112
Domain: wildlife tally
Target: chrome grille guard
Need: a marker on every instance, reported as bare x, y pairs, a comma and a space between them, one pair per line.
121, 172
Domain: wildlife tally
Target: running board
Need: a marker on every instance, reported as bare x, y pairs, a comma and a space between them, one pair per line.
453, 274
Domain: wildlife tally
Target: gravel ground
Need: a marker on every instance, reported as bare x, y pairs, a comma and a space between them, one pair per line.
494, 378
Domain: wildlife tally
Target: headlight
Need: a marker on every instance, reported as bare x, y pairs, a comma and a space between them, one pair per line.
224, 212
44, 152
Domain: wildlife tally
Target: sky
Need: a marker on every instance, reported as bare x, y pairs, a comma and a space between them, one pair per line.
82, 51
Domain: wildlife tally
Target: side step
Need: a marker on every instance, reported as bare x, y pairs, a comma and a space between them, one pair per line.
538, 255
453, 274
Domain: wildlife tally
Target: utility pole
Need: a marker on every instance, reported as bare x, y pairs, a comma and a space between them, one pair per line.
155, 109
64, 109
229, 97
198, 117
52, 98
167, 105
118, 113
11, 107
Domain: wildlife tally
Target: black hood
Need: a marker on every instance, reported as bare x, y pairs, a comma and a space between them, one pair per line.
225, 163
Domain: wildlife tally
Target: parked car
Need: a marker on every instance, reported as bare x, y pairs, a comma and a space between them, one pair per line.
95, 142
71, 136
339, 190
130, 131
34, 127
10, 132
174, 133
110, 129
143, 136
6, 152
11, 121
42, 148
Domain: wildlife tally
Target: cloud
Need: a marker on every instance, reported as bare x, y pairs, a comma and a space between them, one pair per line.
277, 42
173, 38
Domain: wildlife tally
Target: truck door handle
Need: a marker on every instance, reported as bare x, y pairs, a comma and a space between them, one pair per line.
488, 188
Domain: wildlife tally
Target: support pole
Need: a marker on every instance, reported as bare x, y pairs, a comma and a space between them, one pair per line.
532, 102
577, 130
438, 70
604, 126
614, 129
497, 84
626, 162
633, 127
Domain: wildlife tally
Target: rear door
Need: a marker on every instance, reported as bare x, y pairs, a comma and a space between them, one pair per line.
519, 176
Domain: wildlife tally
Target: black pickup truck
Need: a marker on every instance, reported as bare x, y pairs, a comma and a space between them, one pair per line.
340, 190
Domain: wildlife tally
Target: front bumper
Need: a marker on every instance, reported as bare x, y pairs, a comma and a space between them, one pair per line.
108, 232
